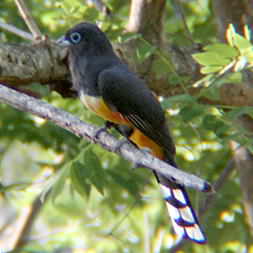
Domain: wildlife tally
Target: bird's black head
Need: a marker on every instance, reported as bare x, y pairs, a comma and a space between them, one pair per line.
86, 38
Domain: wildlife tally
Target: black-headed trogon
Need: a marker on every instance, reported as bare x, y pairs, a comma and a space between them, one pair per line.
108, 88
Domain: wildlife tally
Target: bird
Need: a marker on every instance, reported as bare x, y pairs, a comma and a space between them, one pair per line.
108, 87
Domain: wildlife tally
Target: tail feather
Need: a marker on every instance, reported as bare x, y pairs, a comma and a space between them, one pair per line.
183, 217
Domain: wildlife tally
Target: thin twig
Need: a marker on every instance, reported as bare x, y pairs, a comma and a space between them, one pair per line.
140, 158
127, 213
217, 186
27, 219
208, 81
28, 18
24, 224
121, 220
179, 10
17, 31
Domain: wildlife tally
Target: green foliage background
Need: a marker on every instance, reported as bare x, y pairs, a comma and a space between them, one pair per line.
99, 203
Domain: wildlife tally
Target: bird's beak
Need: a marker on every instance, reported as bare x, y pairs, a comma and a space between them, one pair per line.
62, 41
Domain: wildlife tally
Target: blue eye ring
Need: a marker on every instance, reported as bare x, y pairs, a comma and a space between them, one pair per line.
75, 37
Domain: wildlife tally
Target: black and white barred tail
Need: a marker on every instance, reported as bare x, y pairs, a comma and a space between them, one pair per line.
183, 217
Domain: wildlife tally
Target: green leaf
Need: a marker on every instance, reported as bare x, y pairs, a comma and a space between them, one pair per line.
211, 58
222, 49
213, 123
79, 175
212, 92
235, 113
184, 98
57, 182
240, 42
210, 69
145, 51
210, 122
188, 113
91, 162
127, 184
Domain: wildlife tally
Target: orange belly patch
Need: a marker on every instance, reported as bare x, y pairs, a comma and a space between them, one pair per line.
143, 141
98, 106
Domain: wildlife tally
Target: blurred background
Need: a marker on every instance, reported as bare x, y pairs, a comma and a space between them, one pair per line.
59, 193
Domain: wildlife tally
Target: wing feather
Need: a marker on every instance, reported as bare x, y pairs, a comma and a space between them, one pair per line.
124, 91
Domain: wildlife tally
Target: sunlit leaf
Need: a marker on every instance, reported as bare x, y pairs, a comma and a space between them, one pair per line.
222, 49
211, 58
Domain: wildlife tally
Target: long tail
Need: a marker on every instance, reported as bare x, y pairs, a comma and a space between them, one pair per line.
183, 217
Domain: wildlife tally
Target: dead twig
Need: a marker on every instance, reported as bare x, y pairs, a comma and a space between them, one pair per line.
17, 31
27, 219
28, 18
179, 10
217, 185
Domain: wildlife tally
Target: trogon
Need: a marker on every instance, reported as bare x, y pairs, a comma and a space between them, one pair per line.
107, 87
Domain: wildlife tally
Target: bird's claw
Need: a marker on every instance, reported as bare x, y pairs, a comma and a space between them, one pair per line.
120, 143
108, 125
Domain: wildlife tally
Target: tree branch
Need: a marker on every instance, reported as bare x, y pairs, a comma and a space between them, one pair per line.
44, 63
244, 165
151, 30
24, 64
65, 120
140, 21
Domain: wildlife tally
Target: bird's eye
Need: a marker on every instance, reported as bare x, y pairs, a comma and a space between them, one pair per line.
75, 37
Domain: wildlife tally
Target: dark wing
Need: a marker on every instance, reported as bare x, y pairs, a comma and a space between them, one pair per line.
124, 92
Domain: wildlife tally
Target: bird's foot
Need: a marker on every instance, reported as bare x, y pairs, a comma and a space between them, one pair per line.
139, 164
108, 125
121, 143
